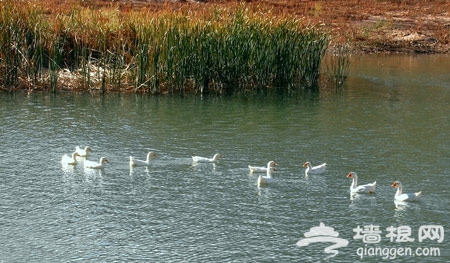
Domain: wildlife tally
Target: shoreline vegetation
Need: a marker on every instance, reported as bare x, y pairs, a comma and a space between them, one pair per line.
161, 48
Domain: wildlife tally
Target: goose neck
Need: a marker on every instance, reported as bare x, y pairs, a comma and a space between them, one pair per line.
399, 190
355, 181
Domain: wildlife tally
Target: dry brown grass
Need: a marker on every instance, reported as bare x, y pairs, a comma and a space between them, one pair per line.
367, 25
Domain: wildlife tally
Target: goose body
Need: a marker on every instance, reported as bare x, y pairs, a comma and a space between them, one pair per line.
365, 188
95, 165
265, 180
137, 162
400, 196
262, 169
67, 160
83, 152
319, 169
199, 159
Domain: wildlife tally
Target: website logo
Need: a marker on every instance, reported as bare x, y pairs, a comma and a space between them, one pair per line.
323, 234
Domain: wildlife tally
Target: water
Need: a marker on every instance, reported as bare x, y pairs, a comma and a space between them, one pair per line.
390, 123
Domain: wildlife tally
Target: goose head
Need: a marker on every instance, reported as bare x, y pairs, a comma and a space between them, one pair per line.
151, 155
307, 164
271, 164
352, 175
396, 184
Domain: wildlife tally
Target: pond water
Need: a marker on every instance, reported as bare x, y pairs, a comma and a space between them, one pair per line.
391, 122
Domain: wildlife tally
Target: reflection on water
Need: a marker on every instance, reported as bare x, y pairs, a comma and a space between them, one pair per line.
389, 123
401, 205
68, 169
133, 170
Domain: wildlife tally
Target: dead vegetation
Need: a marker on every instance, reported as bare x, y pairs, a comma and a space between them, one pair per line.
421, 26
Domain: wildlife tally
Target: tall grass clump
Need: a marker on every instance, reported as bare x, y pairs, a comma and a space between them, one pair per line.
338, 65
11, 28
220, 50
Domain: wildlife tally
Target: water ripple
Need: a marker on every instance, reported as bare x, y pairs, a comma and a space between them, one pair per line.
177, 212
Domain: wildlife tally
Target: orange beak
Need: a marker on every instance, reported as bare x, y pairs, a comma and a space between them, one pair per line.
394, 184
304, 165
349, 175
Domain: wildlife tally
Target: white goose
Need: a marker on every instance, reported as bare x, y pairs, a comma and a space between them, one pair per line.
265, 180
261, 169
137, 162
319, 169
83, 152
400, 196
95, 165
355, 188
199, 159
66, 160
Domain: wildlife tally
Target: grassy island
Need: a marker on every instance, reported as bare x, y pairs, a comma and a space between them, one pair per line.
221, 49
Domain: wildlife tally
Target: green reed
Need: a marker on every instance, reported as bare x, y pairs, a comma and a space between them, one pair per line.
338, 65
9, 39
217, 51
